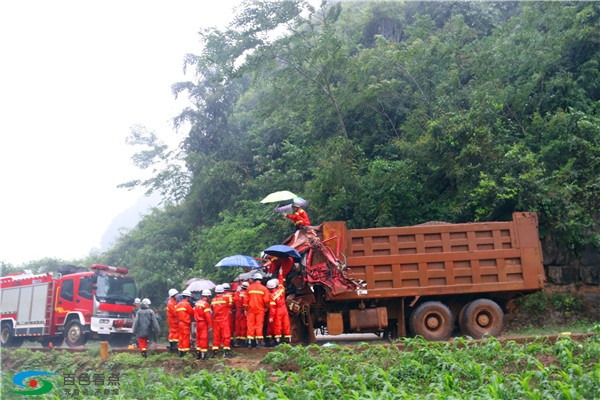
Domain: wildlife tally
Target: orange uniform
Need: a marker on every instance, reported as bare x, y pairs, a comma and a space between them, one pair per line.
203, 323
172, 320
299, 217
255, 303
229, 295
241, 327
221, 306
283, 265
279, 313
185, 313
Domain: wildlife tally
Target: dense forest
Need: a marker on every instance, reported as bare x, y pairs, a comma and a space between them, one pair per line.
379, 114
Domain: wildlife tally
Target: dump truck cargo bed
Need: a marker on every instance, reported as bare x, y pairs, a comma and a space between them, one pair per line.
440, 258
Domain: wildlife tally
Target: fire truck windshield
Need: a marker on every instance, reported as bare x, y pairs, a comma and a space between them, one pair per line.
115, 288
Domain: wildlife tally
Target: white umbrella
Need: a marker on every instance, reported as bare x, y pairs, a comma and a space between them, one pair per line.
200, 285
277, 197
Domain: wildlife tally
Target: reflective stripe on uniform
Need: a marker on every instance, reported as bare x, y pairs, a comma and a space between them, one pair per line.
277, 294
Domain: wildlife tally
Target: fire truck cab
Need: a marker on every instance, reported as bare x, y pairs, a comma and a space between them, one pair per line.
73, 307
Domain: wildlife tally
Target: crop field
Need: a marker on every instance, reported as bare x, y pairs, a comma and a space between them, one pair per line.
568, 368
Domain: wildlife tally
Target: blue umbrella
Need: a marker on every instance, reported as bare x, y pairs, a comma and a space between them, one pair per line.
239, 261
280, 250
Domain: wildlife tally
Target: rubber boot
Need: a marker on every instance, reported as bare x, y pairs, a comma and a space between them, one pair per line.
259, 343
145, 354
227, 354
251, 343
172, 347
203, 356
181, 353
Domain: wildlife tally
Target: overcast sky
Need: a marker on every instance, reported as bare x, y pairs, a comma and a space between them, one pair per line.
75, 77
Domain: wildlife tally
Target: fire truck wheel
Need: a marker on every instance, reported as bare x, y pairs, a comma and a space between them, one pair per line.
481, 317
74, 335
7, 336
433, 320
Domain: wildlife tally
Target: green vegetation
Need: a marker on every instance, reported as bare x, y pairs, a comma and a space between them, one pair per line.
415, 369
379, 114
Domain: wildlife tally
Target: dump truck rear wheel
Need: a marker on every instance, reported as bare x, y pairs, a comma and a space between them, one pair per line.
481, 317
433, 320
461, 319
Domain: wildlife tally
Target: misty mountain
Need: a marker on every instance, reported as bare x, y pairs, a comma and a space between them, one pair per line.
128, 219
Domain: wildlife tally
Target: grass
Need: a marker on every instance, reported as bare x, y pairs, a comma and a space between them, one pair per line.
577, 327
463, 368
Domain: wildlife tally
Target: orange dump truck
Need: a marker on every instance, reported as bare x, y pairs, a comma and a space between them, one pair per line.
419, 280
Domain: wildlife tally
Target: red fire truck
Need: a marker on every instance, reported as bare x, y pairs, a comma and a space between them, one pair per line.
73, 307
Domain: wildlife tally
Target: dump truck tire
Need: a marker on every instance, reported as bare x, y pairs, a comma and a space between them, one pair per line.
433, 320
481, 317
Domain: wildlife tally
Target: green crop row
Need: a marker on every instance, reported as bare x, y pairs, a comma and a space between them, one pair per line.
415, 369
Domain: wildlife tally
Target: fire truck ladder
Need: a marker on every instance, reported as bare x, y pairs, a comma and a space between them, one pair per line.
49, 309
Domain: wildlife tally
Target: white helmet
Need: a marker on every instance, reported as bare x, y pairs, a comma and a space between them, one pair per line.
245, 285
272, 283
137, 300
186, 293
173, 292
219, 289
146, 302
226, 286
257, 277
206, 292
264, 255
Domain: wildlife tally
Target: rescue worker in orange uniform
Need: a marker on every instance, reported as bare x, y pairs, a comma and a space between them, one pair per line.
221, 306
270, 335
204, 323
280, 267
172, 320
185, 313
255, 303
299, 217
241, 326
229, 293
278, 313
